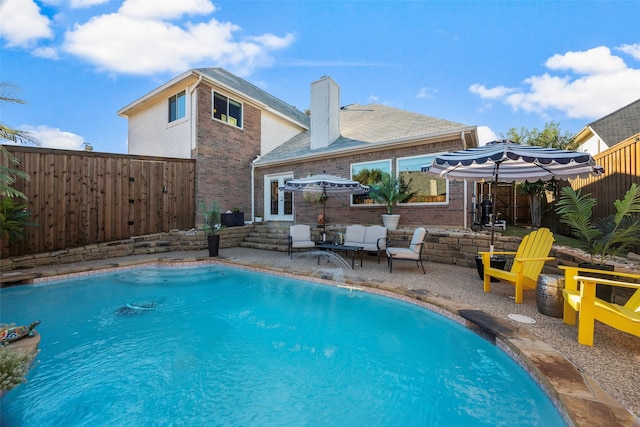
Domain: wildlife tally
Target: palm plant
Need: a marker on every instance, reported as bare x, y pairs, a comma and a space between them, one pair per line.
9, 174
212, 217
390, 191
602, 237
13, 219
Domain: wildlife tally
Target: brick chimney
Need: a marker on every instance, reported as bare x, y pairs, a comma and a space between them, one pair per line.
325, 112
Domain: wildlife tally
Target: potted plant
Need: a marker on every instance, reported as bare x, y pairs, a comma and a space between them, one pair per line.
258, 217
389, 191
604, 237
211, 225
233, 218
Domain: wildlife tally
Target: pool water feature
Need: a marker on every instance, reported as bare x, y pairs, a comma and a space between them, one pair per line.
217, 345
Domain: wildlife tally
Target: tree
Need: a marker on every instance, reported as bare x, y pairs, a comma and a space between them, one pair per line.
8, 174
550, 137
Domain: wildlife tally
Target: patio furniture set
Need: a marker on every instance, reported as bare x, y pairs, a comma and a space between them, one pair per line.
359, 239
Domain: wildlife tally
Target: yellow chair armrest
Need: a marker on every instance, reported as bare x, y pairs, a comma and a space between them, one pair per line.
548, 258
497, 253
608, 282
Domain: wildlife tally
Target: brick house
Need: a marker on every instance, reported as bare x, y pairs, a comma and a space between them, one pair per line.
247, 143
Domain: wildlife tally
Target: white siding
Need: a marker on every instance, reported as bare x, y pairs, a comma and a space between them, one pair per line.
594, 145
150, 133
275, 132
325, 112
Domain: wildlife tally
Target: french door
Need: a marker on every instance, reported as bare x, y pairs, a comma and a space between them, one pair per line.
278, 205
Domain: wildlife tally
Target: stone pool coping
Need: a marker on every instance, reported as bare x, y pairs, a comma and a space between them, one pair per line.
581, 401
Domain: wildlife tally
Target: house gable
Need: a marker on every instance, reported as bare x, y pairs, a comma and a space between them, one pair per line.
611, 129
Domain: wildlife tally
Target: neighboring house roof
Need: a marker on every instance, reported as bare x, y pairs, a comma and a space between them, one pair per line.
242, 86
363, 126
619, 125
224, 79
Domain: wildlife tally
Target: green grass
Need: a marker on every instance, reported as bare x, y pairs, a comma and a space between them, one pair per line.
560, 239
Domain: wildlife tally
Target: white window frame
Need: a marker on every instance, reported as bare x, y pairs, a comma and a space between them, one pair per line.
362, 165
177, 119
226, 115
417, 169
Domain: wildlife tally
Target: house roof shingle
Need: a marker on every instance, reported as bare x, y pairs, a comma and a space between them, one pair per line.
367, 126
619, 125
242, 86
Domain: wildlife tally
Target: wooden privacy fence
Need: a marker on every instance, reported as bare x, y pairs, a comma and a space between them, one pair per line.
621, 165
78, 197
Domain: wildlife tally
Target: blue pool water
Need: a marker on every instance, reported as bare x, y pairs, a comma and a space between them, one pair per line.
216, 345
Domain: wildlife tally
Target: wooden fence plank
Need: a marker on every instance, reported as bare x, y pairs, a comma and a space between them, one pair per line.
79, 198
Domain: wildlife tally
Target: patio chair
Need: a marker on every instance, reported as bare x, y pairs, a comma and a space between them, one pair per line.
412, 253
580, 297
527, 263
372, 238
299, 238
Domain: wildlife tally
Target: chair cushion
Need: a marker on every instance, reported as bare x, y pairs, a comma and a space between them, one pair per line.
404, 253
303, 244
371, 236
300, 232
418, 237
355, 235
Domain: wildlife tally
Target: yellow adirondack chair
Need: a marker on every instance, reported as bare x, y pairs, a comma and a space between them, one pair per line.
583, 299
527, 263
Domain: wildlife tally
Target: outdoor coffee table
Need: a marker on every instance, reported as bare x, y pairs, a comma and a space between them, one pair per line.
326, 246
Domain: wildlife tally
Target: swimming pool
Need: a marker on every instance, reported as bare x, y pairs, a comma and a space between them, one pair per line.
215, 345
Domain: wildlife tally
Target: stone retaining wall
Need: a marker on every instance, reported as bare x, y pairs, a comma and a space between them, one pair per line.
174, 240
446, 247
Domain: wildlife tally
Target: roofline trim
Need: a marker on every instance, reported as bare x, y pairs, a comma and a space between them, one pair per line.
396, 143
156, 91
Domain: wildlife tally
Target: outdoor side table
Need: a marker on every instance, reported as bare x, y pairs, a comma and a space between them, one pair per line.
549, 295
326, 246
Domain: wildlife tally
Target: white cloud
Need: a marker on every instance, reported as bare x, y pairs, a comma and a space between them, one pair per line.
22, 23
165, 9
82, 4
596, 83
46, 52
631, 49
426, 92
485, 134
55, 138
593, 61
486, 93
133, 44
272, 41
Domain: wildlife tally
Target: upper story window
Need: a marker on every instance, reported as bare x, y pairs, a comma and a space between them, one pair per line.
227, 110
427, 188
177, 106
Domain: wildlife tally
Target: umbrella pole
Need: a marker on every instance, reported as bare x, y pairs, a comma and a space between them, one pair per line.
494, 207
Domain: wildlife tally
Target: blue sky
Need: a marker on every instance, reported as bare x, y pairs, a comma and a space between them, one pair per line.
496, 65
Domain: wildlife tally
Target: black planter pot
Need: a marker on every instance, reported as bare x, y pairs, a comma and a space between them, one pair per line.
604, 292
214, 244
232, 219
496, 262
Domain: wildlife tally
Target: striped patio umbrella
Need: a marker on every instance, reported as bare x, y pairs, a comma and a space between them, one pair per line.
324, 183
506, 161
